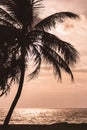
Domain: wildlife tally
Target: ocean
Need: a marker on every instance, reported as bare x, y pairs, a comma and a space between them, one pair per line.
46, 116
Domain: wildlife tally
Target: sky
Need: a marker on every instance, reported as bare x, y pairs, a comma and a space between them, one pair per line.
45, 91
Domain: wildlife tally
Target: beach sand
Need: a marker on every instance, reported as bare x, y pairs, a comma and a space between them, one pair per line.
59, 126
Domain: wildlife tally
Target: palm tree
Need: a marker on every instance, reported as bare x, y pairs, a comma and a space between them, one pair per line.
20, 39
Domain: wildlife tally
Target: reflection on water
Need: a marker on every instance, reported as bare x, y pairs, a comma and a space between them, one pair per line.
46, 116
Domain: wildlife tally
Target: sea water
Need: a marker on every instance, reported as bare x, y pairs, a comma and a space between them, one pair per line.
46, 116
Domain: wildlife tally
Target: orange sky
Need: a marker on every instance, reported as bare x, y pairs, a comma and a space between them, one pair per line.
45, 91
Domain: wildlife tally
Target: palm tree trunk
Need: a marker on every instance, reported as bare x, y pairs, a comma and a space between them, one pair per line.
7, 119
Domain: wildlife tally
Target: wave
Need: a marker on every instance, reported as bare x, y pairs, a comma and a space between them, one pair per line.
46, 116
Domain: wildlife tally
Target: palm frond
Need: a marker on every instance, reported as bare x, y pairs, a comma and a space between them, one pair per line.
8, 33
49, 58
8, 76
37, 61
37, 3
9, 67
59, 60
5, 22
68, 52
7, 16
4, 92
6, 2
51, 20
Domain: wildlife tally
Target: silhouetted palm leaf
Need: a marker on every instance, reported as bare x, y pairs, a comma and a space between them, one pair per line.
7, 17
37, 61
58, 60
66, 49
8, 33
51, 21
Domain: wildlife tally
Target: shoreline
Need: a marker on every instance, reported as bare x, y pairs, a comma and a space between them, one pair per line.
57, 126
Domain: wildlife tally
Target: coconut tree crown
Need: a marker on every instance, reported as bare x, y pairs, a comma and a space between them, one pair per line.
20, 37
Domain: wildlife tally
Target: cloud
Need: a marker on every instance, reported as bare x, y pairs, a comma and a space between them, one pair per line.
75, 32
78, 6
